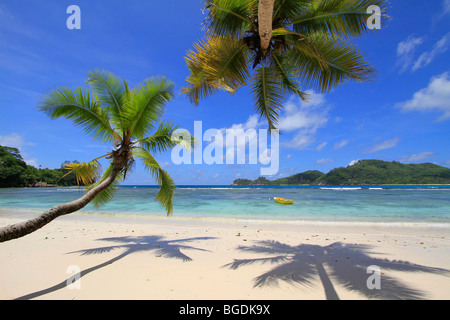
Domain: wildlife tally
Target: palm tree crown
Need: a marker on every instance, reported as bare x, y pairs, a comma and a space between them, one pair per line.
309, 45
115, 113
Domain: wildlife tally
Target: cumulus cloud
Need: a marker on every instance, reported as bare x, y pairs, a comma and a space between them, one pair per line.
305, 118
388, 144
435, 97
353, 162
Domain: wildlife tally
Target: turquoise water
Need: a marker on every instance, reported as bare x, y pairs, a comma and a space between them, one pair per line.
359, 203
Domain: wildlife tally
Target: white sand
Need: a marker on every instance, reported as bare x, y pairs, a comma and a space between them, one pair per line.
193, 259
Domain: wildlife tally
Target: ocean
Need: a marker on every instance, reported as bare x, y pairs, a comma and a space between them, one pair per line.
360, 204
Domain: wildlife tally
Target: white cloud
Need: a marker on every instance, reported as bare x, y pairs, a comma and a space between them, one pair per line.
417, 157
405, 52
340, 144
388, 144
353, 162
300, 141
321, 146
324, 161
239, 147
436, 97
427, 57
305, 118
304, 115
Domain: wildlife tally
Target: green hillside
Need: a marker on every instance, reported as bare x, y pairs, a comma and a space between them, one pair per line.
365, 172
383, 172
14, 172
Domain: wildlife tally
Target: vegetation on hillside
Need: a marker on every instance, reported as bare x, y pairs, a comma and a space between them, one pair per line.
14, 172
307, 177
366, 172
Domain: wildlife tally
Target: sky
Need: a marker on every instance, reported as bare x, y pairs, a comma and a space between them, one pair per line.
403, 115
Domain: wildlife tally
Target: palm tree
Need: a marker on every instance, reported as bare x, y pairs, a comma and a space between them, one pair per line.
288, 44
112, 113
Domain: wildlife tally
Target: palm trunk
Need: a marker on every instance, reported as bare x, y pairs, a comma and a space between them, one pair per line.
21, 229
265, 15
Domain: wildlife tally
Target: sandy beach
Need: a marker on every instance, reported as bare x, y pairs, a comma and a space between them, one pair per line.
83, 257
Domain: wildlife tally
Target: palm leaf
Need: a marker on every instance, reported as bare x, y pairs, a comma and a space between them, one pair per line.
199, 85
161, 140
167, 190
268, 93
148, 101
111, 91
337, 18
217, 63
228, 17
285, 10
286, 71
84, 110
85, 173
339, 62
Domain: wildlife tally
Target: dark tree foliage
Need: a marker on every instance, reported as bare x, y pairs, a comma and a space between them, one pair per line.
365, 172
14, 172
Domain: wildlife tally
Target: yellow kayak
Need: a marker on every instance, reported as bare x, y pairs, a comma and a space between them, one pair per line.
283, 200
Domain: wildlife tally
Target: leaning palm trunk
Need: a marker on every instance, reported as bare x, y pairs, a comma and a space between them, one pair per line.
22, 229
265, 15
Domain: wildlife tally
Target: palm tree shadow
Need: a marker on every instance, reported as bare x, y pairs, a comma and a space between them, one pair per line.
347, 265
162, 248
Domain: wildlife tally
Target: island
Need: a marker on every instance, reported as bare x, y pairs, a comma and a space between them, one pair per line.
364, 172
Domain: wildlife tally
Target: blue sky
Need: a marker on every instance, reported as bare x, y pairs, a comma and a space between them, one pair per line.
404, 115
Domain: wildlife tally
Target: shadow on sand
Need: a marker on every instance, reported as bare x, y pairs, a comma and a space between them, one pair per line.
339, 263
164, 248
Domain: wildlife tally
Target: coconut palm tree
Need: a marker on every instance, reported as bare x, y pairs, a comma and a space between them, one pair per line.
289, 45
114, 113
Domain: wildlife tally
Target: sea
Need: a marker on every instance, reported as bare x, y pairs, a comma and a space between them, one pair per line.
417, 204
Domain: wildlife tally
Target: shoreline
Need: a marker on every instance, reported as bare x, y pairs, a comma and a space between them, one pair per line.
130, 258
21, 214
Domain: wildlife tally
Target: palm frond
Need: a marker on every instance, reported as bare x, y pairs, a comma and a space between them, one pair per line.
84, 110
337, 18
112, 93
300, 42
286, 71
228, 17
199, 86
161, 140
216, 64
148, 102
341, 62
268, 94
285, 10
85, 173
166, 183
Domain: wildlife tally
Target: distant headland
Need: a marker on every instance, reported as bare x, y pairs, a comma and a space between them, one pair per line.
364, 172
